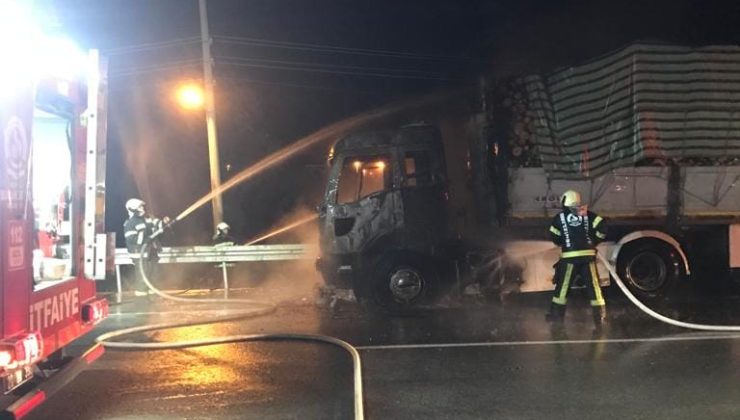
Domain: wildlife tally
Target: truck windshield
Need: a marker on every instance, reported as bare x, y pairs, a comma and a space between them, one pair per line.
362, 176
52, 168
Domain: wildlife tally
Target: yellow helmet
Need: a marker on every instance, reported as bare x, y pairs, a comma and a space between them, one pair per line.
571, 198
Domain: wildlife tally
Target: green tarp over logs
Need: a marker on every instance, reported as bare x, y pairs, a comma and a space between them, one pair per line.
644, 102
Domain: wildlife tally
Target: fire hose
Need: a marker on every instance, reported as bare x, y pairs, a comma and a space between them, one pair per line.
652, 313
254, 309
257, 308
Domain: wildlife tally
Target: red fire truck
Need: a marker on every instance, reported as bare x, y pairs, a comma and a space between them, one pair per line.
52, 241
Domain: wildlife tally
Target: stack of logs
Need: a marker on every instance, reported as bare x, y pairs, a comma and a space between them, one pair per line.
510, 99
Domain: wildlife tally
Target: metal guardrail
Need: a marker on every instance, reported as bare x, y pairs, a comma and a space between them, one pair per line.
221, 255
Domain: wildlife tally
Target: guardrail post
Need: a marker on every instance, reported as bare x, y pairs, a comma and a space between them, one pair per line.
224, 270
119, 293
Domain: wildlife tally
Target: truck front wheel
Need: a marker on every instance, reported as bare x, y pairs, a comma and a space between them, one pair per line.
402, 280
649, 268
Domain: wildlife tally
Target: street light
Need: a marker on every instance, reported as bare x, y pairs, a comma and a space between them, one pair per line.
190, 96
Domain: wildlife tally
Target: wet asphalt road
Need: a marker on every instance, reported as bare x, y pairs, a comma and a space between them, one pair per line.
464, 361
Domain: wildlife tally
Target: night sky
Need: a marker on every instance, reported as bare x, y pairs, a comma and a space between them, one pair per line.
286, 68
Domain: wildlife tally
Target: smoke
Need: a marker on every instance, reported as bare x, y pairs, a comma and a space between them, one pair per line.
157, 155
292, 281
168, 169
330, 132
286, 281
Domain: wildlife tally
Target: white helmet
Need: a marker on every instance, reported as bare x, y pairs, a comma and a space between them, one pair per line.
135, 205
223, 227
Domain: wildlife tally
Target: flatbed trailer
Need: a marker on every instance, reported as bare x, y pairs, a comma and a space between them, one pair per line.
648, 135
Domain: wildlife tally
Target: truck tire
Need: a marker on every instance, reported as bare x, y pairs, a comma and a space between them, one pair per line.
649, 268
400, 281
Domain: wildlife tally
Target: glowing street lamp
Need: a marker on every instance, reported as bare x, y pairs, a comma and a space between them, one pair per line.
190, 96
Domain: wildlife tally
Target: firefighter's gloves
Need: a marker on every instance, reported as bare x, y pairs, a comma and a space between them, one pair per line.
162, 225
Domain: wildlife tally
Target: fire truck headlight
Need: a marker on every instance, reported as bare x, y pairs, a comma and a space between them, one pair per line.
6, 358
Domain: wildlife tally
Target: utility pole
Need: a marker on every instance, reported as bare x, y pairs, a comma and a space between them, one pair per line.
210, 108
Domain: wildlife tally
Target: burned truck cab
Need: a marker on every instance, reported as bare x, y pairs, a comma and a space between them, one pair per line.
383, 221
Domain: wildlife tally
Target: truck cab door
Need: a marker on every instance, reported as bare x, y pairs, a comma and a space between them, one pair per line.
363, 205
424, 196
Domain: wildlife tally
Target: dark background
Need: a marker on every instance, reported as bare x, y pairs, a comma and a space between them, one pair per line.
280, 76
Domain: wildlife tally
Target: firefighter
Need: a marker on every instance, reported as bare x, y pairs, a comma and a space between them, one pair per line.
222, 236
137, 229
577, 231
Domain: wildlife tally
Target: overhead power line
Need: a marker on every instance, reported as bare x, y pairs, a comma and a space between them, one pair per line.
151, 46
162, 67
307, 65
334, 49
302, 86
332, 71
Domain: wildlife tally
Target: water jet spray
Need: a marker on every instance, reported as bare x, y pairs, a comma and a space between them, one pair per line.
283, 229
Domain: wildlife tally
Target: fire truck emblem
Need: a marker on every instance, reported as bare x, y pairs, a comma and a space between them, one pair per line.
16, 156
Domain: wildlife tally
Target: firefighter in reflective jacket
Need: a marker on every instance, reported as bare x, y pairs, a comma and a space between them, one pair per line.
137, 229
577, 231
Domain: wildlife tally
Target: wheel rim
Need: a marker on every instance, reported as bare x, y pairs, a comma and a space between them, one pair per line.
647, 271
406, 284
